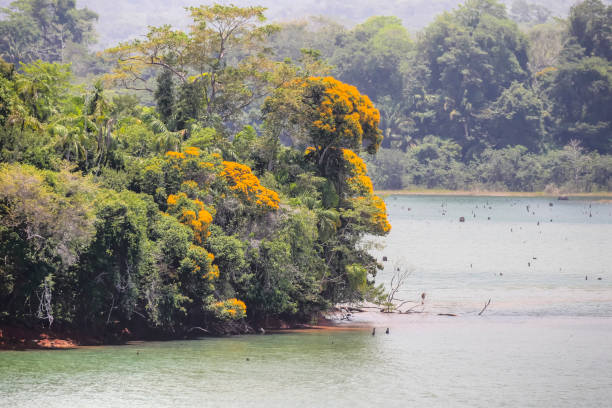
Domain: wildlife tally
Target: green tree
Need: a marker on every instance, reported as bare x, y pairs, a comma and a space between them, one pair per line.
435, 162
396, 124
109, 269
590, 23
43, 29
221, 64
46, 224
370, 56
515, 118
30, 99
42, 86
581, 93
164, 96
470, 56
165, 139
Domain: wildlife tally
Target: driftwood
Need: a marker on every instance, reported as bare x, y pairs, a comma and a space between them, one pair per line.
447, 314
485, 307
368, 307
198, 329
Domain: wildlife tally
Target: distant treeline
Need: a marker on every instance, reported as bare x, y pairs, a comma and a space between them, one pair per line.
476, 90
436, 163
121, 20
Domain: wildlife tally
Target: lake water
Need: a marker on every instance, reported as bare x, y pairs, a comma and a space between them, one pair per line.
528, 257
544, 341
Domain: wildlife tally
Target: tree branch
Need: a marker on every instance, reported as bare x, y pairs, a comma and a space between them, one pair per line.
485, 307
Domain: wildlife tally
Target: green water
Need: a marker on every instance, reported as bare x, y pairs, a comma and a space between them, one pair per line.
431, 362
545, 341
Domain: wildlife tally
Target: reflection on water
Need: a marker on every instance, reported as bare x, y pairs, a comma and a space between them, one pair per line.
545, 342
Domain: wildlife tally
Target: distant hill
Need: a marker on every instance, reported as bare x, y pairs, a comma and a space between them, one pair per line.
121, 20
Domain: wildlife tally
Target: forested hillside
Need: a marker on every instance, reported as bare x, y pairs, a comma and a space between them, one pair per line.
477, 100
163, 219
122, 20
214, 176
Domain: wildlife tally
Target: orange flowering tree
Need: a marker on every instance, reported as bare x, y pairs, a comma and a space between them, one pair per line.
191, 213
192, 173
333, 115
371, 208
233, 309
199, 263
244, 183
356, 191
197, 185
337, 122
196, 182
341, 116
356, 180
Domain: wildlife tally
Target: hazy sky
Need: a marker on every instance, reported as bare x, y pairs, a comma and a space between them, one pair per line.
124, 19
132, 17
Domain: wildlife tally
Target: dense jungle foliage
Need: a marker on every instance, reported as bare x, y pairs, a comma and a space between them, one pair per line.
209, 177
118, 215
483, 97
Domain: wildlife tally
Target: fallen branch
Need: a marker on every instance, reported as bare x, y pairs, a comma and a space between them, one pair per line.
410, 310
197, 328
407, 301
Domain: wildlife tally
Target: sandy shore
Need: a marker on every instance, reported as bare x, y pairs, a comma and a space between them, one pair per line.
360, 318
21, 338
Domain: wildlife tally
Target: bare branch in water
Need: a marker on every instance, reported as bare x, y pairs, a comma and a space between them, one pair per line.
485, 307
400, 274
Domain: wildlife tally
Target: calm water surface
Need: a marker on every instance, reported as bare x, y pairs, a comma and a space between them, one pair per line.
529, 257
545, 341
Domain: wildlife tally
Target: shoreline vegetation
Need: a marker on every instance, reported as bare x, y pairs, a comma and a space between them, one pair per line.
123, 220
21, 338
215, 181
15, 338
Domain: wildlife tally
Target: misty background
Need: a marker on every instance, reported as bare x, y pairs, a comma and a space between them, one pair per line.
121, 20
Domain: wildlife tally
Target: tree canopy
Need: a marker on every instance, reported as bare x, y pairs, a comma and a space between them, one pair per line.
43, 29
220, 65
217, 176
